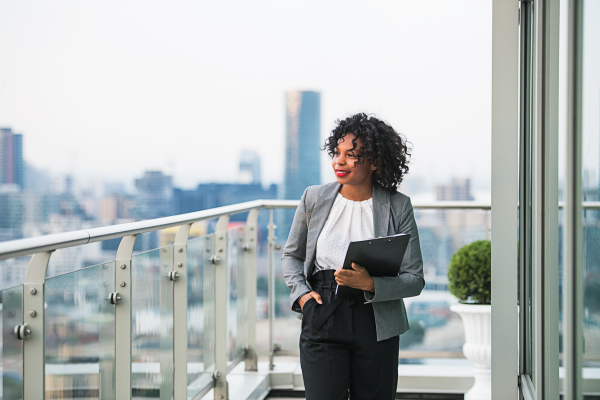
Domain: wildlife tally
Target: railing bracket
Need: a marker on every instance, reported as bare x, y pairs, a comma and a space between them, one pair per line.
22, 331
114, 298
173, 275
214, 259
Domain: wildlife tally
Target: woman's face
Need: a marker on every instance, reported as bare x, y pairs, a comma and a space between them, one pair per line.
345, 163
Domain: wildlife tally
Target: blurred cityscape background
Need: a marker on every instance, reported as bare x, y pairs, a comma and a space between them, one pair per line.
188, 107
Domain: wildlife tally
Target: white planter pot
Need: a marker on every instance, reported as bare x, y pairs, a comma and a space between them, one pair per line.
477, 320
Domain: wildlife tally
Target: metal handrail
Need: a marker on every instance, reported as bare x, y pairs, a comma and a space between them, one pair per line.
23, 247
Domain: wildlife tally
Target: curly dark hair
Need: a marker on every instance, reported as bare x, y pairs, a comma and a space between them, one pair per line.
382, 145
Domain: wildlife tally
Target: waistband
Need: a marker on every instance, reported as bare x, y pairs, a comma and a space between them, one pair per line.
322, 276
325, 279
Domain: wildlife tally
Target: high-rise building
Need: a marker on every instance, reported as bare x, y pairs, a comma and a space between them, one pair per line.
249, 167
154, 195
11, 157
302, 141
458, 190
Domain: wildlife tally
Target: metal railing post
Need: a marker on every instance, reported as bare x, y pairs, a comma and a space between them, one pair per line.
487, 225
251, 250
166, 297
122, 303
33, 329
271, 239
221, 390
106, 338
180, 309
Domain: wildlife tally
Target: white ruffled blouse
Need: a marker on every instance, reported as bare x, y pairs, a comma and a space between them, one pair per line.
348, 221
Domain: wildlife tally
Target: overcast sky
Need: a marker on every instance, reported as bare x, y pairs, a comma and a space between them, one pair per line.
106, 90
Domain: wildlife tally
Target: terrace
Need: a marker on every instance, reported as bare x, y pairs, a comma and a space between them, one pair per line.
125, 326
205, 315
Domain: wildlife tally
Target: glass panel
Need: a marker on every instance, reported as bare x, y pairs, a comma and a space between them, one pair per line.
591, 182
80, 334
441, 232
236, 307
12, 271
201, 313
262, 302
287, 325
12, 348
152, 324
591, 285
434, 328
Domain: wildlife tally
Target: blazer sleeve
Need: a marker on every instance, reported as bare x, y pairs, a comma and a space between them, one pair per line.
410, 280
294, 254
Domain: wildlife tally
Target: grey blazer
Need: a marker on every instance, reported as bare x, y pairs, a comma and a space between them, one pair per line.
392, 213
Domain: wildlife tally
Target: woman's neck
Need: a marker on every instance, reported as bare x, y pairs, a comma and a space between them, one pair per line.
357, 193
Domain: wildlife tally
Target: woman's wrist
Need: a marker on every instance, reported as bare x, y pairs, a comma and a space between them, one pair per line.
370, 285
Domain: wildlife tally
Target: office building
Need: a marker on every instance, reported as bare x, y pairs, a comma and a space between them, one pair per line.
302, 142
457, 190
249, 167
154, 194
11, 158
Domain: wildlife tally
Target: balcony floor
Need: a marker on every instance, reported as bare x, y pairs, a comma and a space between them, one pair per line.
414, 380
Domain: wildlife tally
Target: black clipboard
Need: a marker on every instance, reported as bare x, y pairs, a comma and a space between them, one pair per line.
381, 257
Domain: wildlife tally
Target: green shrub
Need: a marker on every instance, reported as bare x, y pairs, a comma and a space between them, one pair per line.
414, 335
470, 273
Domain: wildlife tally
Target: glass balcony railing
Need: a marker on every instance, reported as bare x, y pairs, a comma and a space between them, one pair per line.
436, 334
127, 328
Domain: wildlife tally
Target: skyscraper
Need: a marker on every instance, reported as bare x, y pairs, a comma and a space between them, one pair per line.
302, 141
154, 195
11, 157
249, 167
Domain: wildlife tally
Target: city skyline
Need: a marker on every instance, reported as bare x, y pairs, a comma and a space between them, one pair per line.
173, 99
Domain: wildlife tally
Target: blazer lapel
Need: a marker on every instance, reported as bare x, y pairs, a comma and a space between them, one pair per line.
322, 207
319, 215
381, 211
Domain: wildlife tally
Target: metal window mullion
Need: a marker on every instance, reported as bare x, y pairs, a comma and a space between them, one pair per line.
525, 188
546, 199
505, 181
123, 318
251, 252
180, 311
34, 374
221, 293
573, 229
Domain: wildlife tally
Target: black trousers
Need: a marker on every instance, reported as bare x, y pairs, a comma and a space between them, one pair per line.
343, 356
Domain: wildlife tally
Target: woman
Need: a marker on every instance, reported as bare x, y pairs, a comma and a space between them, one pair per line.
351, 345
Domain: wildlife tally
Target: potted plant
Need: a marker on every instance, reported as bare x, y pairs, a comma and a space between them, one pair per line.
469, 280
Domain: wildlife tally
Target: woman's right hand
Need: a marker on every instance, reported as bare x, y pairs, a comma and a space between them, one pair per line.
307, 296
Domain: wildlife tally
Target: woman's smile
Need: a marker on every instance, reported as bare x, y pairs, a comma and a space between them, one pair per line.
348, 168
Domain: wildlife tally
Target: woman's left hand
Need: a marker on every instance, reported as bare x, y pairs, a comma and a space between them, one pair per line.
357, 278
